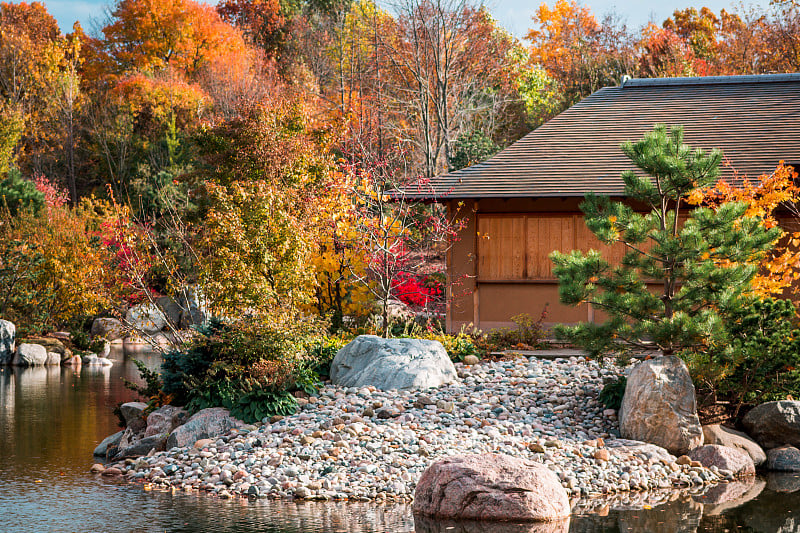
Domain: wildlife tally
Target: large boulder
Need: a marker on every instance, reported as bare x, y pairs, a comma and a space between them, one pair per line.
139, 447
51, 345
111, 441
7, 349
53, 359
392, 364
659, 406
172, 309
724, 436
491, 487
733, 459
194, 309
164, 420
30, 355
784, 459
109, 328
132, 412
774, 424
205, 424
147, 318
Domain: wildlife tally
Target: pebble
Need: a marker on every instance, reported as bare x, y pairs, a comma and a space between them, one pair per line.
366, 444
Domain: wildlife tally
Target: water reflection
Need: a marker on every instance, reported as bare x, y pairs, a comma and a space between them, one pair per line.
52, 418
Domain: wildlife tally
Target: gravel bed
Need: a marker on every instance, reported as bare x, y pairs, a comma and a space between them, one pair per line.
370, 445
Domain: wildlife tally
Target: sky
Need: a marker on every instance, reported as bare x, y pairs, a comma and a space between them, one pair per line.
514, 15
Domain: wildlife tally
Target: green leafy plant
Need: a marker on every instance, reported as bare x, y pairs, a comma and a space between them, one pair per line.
613, 392
760, 363
529, 333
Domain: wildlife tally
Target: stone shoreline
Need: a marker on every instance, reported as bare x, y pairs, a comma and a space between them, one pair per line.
370, 445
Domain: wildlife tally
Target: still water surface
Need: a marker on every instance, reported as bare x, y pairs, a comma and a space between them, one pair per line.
52, 418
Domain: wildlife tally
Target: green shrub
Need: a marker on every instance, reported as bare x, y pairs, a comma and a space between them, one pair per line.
18, 193
528, 333
613, 392
457, 345
759, 363
247, 366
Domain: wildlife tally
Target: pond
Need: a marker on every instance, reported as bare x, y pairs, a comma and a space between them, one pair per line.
52, 418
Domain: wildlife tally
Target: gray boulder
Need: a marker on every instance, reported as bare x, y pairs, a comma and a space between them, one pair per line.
194, 309
784, 459
109, 328
164, 420
30, 355
147, 318
132, 411
172, 309
53, 359
205, 424
111, 441
724, 436
392, 364
659, 406
142, 446
7, 349
774, 424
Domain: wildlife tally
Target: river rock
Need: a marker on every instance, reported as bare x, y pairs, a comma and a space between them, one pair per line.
132, 411
75, 360
205, 424
111, 441
146, 318
30, 355
774, 424
53, 359
659, 406
164, 420
392, 364
724, 436
7, 349
109, 328
471, 360
491, 487
733, 459
784, 459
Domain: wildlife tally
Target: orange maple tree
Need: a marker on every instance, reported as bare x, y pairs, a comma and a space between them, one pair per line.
767, 197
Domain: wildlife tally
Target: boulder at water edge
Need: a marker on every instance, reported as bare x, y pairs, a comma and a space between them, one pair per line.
392, 364
53, 359
774, 424
491, 487
132, 411
147, 318
30, 355
111, 441
659, 406
164, 420
109, 328
784, 459
732, 459
205, 424
7, 349
717, 434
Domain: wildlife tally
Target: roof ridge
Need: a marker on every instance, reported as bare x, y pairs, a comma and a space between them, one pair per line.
710, 80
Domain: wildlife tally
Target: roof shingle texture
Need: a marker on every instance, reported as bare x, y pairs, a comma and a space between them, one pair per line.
755, 120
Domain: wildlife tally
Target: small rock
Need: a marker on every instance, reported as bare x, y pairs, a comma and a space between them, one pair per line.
471, 360
97, 468
784, 459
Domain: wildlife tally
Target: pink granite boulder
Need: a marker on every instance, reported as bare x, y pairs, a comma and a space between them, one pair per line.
734, 460
491, 487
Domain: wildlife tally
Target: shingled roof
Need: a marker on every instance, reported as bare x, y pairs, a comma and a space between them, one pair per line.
755, 120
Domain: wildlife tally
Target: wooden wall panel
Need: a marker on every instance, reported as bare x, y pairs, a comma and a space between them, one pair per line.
501, 248
545, 234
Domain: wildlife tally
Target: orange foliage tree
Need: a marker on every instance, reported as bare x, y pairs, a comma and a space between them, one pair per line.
766, 197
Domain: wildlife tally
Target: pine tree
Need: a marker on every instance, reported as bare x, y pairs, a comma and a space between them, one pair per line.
678, 280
